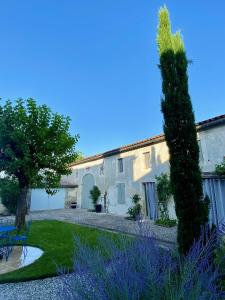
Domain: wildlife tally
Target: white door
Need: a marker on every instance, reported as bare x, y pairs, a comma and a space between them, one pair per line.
87, 185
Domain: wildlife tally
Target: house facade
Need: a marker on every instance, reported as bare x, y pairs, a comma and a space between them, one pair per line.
120, 173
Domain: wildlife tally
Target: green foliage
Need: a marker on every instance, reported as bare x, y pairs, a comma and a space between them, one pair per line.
166, 222
9, 193
35, 144
220, 168
180, 134
135, 210
164, 193
95, 194
80, 156
36, 147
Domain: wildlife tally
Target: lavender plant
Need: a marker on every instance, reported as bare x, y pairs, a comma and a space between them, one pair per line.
127, 268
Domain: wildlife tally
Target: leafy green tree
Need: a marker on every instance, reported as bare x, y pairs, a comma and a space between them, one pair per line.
36, 148
164, 193
180, 134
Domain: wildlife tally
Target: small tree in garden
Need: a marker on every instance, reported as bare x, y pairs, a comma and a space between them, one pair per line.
95, 194
36, 148
220, 168
164, 193
180, 135
135, 210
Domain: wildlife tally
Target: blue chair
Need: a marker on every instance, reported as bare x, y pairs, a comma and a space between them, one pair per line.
22, 239
3, 236
5, 248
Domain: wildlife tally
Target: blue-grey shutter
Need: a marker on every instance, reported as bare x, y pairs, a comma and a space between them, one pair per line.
147, 160
121, 193
120, 165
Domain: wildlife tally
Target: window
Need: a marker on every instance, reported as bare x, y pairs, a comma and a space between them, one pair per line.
102, 169
146, 160
121, 193
120, 165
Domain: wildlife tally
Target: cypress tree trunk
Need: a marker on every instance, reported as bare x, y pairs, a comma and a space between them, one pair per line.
181, 136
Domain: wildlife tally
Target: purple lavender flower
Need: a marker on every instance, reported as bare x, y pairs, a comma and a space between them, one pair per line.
133, 268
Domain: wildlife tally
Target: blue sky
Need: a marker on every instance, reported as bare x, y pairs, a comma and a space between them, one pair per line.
96, 61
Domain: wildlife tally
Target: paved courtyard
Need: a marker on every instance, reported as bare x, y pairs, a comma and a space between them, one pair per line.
107, 221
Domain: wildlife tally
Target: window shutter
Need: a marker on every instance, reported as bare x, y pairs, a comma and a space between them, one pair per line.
120, 165
121, 193
147, 160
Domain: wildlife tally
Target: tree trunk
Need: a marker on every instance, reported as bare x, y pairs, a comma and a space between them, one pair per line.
28, 200
21, 210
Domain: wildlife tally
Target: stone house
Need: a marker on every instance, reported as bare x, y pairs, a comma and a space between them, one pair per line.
122, 172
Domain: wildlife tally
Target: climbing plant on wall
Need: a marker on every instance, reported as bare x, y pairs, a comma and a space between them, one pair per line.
164, 193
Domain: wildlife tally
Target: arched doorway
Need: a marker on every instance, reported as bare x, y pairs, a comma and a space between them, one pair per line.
87, 184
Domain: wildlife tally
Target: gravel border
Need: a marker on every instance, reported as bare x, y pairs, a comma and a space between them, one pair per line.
44, 289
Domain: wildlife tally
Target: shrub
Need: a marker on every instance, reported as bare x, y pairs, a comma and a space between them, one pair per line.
135, 211
166, 222
9, 193
95, 194
138, 269
220, 169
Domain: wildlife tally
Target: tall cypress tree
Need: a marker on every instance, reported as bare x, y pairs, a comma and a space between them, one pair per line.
180, 134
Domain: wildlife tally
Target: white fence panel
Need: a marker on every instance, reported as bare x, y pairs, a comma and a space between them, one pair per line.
40, 200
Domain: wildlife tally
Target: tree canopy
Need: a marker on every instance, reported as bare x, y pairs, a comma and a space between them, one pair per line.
36, 147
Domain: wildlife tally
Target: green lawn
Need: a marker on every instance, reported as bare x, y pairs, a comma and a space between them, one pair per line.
56, 239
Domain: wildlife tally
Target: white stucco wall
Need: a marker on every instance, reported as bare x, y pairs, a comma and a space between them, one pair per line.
212, 142
213, 147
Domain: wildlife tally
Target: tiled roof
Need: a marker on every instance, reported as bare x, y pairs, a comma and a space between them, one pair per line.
203, 125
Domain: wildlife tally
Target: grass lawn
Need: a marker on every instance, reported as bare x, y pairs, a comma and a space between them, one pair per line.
56, 239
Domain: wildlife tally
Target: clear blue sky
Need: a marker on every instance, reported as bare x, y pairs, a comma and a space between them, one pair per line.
96, 61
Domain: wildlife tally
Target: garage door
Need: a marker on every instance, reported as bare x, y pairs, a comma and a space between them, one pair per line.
40, 200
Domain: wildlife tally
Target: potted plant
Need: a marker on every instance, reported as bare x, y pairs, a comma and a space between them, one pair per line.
95, 194
135, 210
